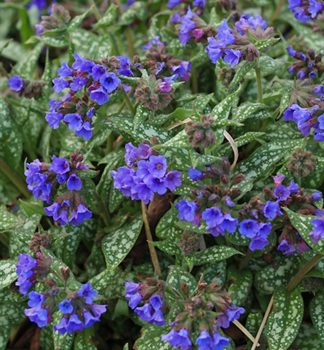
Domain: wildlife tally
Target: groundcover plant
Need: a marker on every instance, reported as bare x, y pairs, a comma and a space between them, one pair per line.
161, 175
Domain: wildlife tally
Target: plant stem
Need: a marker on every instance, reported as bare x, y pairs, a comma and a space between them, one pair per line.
5, 170
278, 9
194, 81
104, 210
244, 330
300, 275
129, 103
4, 239
258, 77
149, 237
110, 143
246, 259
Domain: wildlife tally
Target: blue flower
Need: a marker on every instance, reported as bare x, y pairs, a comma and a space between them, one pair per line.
156, 184
159, 66
24, 271
52, 210
125, 66
158, 166
176, 18
41, 188
225, 35
231, 314
59, 165
84, 131
281, 192
213, 216
61, 326
200, 3
110, 82
178, 339
78, 83
98, 310
151, 311
65, 306
173, 3
35, 300
232, 56
172, 180
314, 7
229, 202
187, 25
74, 183
87, 293
317, 196
65, 71
182, 69
89, 319
318, 230
132, 294
86, 66
219, 342
147, 46
249, 228
91, 112
215, 49
257, 21
195, 174
271, 210
54, 118
258, 243
286, 247
301, 74
186, 210
32, 169
229, 224
39, 316
16, 83
143, 192
80, 214
319, 90
98, 71
300, 15
74, 120
291, 51
204, 341
264, 229
78, 61
60, 84
293, 187
75, 324
294, 3
99, 95
242, 25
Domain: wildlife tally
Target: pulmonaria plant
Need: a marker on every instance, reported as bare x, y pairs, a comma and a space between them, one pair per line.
45, 179
145, 174
26, 88
58, 19
306, 10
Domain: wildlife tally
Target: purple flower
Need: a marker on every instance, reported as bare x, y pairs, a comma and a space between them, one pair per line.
318, 230
173, 3
74, 183
89, 319
200, 3
302, 247
300, 15
39, 29
39, 316
242, 25
59, 165
125, 66
151, 312
159, 66
286, 247
80, 214
215, 49
249, 228
186, 210
232, 313
74, 120
281, 192
295, 113
62, 216
24, 271
314, 7
41, 189
147, 46
84, 131
60, 84
15, 83
54, 119
165, 86
232, 56
75, 324
291, 51
293, 187
98, 310
258, 243
142, 191
229, 202
65, 71
271, 209
182, 70
229, 224
294, 3
176, 18
32, 169
132, 294
98, 71
187, 25
65, 306
195, 174
213, 216
52, 210
86, 66
78, 61
78, 83
99, 95
178, 339
110, 82
219, 342
91, 112
158, 166
301, 74
35, 300
172, 180
40, 4
204, 341
319, 90
257, 21
317, 196
184, 38
87, 293
156, 184
225, 35
264, 229
61, 326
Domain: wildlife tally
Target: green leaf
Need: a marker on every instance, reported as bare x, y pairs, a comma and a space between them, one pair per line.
118, 244
108, 18
177, 276
316, 308
263, 160
10, 139
27, 65
61, 341
166, 228
168, 246
314, 343
76, 21
7, 273
303, 224
280, 273
7, 220
60, 41
240, 283
200, 58
215, 253
141, 115
127, 17
246, 109
242, 69
32, 209
284, 321
213, 272
82, 340
284, 102
263, 45
151, 338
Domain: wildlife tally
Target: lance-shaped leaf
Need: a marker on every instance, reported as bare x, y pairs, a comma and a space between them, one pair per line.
215, 253
82, 341
284, 321
118, 244
7, 272
316, 309
177, 276
240, 282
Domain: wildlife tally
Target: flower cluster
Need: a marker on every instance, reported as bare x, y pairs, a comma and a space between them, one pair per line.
236, 44
201, 133
44, 179
307, 119
31, 270
26, 88
301, 163
199, 3
79, 311
199, 316
59, 18
306, 10
318, 230
145, 174
96, 79
308, 65
152, 294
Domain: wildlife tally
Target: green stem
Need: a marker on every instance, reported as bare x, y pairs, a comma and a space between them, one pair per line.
110, 143
174, 292
129, 103
21, 186
278, 9
4, 239
246, 259
194, 80
97, 13
129, 37
258, 77
300, 275
104, 210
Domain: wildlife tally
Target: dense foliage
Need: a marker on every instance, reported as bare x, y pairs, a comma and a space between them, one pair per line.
161, 175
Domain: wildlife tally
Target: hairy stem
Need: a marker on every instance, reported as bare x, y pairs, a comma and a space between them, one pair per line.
17, 182
258, 77
149, 237
129, 103
110, 143
104, 210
